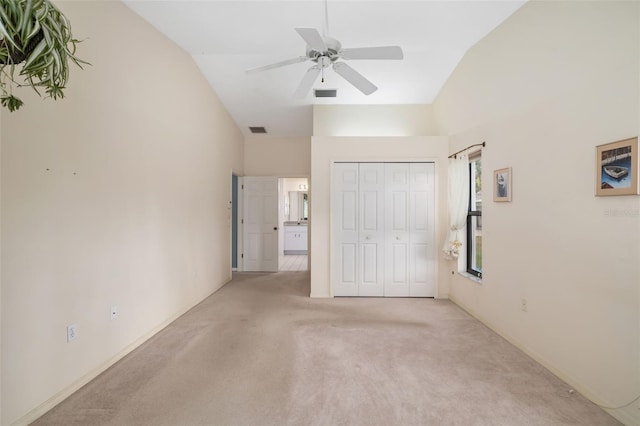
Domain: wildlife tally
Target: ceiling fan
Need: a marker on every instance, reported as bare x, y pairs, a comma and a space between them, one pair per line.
324, 51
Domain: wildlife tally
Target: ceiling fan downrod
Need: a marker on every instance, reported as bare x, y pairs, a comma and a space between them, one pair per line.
325, 28
324, 51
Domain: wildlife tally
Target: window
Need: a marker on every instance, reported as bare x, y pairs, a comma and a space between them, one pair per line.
474, 218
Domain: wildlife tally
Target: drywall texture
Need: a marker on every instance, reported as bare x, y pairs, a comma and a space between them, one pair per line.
373, 120
326, 151
117, 195
543, 90
277, 156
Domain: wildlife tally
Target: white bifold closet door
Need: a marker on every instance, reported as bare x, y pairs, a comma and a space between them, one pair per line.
383, 227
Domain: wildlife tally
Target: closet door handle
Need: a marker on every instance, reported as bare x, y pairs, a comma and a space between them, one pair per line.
398, 237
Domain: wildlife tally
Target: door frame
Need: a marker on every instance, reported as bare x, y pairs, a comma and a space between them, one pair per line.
240, 244
235, 222
281, 215
239, 215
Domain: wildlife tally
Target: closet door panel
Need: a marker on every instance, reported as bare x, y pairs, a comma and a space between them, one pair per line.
348, 264
422, 230
349, 211
370, 213
370, 264
397, 257
383, 229
345, 260
399, 263
371, 231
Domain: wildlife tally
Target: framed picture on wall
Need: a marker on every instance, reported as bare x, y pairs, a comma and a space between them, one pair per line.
502, 184
617, 168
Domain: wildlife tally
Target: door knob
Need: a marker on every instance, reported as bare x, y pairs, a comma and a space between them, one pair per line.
275, 228
398, 238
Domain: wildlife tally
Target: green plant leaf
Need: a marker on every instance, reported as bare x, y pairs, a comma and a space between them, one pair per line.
36, 52
4, 17
11, 102
6, 30
26, 16
34, 30
46, 65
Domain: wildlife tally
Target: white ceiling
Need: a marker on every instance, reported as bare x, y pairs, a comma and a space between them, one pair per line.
227, 37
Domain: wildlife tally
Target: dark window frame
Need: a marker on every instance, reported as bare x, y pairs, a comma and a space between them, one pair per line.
472, 213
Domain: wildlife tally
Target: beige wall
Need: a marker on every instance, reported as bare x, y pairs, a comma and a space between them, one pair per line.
117, 195
327, 150
543, 89
1, 291
369, 133
373, 120
266, 155
277, 156
293, 184
152, 149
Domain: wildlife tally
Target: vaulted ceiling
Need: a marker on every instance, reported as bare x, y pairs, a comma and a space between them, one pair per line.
226, 38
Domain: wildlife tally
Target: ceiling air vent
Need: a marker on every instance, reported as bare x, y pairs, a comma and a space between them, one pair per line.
258, 130
325, 93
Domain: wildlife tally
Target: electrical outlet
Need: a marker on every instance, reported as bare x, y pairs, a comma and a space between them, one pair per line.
71, 332
523, 305
114, 312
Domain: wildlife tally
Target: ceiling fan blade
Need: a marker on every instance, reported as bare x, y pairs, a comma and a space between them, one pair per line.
277, 65
307, 81
380, 52
355, 78
313, 38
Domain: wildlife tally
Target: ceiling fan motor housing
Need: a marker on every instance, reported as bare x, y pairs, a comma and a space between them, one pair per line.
327, 51
332, 53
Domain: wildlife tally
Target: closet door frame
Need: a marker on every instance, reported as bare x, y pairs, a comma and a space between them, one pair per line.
428, 289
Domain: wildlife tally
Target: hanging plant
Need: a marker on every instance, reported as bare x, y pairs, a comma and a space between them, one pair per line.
36, 44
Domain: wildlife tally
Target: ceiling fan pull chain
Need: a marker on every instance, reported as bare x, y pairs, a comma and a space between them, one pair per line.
326, 51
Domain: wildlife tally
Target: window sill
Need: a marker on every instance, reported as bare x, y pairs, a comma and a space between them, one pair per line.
470, 277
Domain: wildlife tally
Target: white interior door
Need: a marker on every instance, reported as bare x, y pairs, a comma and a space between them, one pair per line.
260, 217
397, 235
422, 274
345, 229
371, 229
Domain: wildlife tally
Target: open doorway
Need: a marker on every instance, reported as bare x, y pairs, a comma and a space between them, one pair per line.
234, 222
294, 219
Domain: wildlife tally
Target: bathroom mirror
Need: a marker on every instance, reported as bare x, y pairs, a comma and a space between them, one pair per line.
298, 205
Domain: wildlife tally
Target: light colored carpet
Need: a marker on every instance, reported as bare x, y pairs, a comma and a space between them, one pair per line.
261, 352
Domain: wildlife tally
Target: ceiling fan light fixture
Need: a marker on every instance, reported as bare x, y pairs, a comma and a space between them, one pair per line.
324, 51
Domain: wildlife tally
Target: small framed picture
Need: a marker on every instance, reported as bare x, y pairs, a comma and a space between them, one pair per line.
617, 168
502, 184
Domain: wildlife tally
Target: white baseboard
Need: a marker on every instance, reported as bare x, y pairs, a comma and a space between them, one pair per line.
630, 416
43, 408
